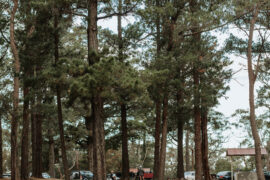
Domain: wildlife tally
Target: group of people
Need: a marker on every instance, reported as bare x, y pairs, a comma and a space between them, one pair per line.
139, 175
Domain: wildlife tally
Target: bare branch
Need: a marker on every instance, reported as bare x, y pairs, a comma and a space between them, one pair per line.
117, 14
215, 27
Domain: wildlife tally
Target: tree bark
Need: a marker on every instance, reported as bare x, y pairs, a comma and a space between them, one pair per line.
96, 101
158, 107
51, 154
1, 149
124, 134
39, 141
187, 152
180, 126
163, 138
99, 140
196, 82
62, 136
206, 170
59, 103
252, 79
89, 127
33, 135
25, 137
180, 158
16, 86
197, 127
125, 157
157, 140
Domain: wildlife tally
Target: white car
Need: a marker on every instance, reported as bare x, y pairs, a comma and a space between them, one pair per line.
189, 175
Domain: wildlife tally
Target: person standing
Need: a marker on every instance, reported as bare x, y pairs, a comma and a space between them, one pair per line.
113, 176
140, 174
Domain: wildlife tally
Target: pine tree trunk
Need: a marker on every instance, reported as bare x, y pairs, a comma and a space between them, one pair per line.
15, 114
268, 155
180, 158
206, 170
252, 79
59, 103
125, 154
197, 127
25, 138
39, 140
1, 149
187, 152
62, 136
33, 135
180, 126
96, 102
157, 140
158, 107
125, 157
89, 127
197, 113
99, 140
163, 138
51, 154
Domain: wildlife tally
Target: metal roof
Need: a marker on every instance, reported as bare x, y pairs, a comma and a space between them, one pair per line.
244, 151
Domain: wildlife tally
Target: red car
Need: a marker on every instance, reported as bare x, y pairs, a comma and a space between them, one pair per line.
147, 172
148, 175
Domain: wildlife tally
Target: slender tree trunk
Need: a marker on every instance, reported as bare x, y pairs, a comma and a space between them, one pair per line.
51, 154
25, 137
180, 126
252, 79
125, 159
206, 170
193, 159
157, 140
96, 102
197, 127
33, 135
1, 149
62, 136
59, 103
197, 114
164, 138
15, 114
56, 155
125, 154
39, 140
187, 152
99, 141
180, 158
268, 155
158, 107
89, 127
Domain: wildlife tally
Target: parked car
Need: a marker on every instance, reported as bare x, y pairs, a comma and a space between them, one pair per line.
86, 175
7, 175
148, 175
267, 175
224, 175
189, 175
44, 175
